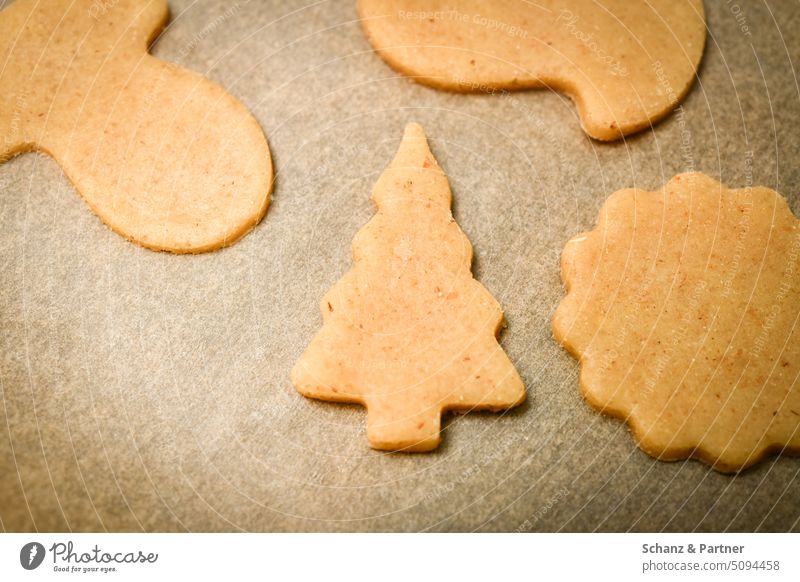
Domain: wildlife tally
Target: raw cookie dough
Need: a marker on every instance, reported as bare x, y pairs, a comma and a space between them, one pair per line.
683, 308
163, 156
408, 332
626, 63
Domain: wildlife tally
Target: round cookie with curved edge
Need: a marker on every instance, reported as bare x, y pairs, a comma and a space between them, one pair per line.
163, 156
683, 307
625, 63
408, 332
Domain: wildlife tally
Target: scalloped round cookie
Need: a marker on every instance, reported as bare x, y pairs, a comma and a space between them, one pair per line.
683, 308
625, 63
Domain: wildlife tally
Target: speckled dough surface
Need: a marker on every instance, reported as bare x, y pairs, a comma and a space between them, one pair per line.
683, 308
626, 63
163, 156
407, 331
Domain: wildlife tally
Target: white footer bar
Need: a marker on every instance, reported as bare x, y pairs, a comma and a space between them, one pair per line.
400, 557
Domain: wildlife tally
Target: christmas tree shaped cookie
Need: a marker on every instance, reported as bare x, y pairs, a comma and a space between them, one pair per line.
163, 156
683, 307
408, 332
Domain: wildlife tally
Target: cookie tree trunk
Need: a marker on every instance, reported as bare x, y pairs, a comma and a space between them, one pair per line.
408, 332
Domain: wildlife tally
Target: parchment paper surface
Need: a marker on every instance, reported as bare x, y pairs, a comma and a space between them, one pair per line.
145, 391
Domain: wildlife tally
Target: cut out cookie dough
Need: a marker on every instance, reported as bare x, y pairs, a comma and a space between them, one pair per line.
683, 308
408, 332
626, 63
163, 156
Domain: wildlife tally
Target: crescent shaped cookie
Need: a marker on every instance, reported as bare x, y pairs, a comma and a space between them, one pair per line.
683, 307
626, 63
408, 332
163, 156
